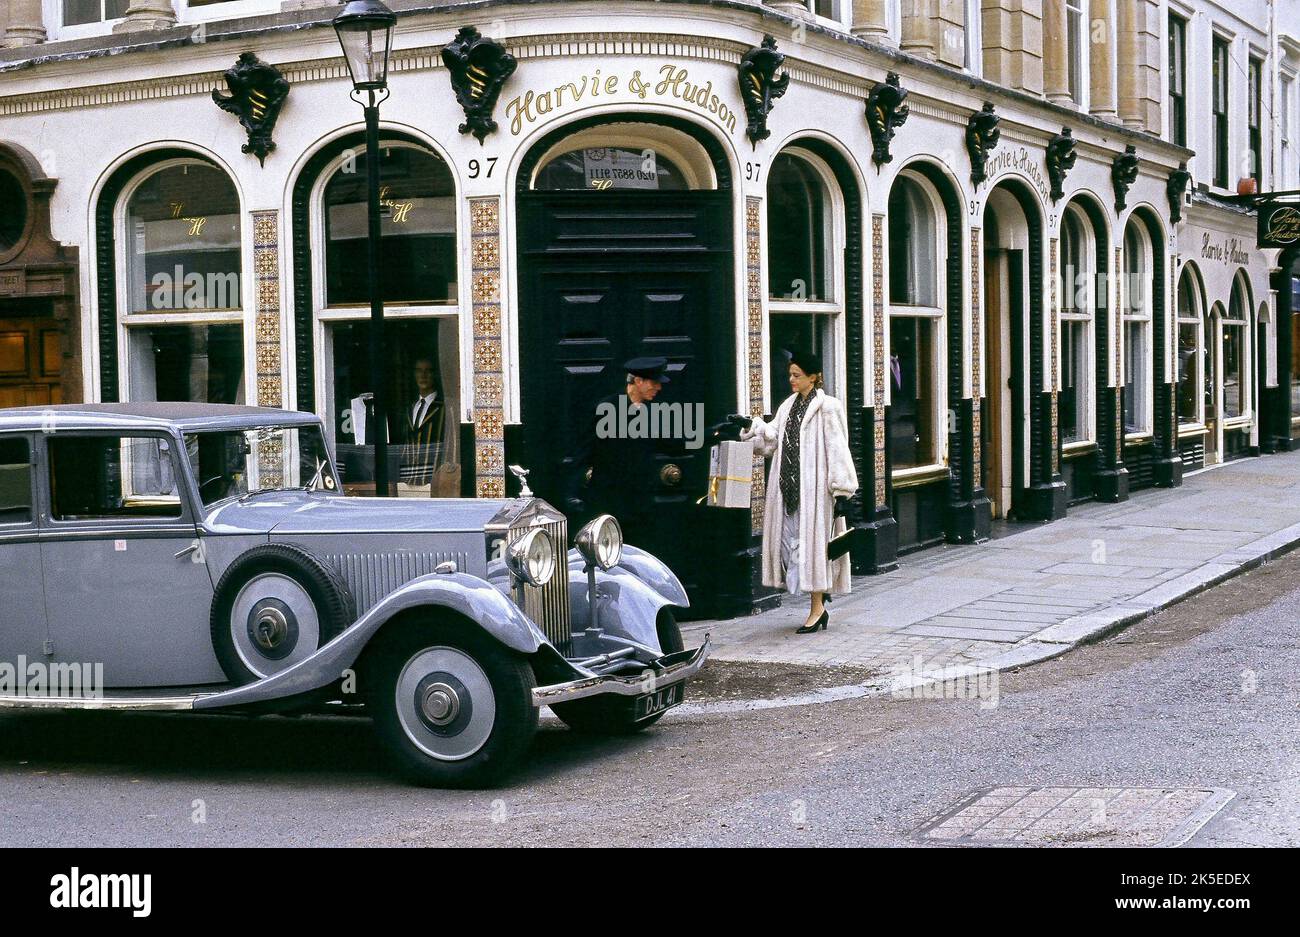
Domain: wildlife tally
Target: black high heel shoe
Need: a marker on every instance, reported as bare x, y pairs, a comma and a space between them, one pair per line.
819, 624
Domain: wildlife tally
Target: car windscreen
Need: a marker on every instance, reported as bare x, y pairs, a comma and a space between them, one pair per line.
235, 463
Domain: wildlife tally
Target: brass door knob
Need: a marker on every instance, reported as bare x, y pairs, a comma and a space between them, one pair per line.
670, 475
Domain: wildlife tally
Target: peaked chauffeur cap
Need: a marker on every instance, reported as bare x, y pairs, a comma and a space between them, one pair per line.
654, 369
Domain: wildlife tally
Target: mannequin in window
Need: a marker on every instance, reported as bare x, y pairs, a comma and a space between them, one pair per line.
427, 429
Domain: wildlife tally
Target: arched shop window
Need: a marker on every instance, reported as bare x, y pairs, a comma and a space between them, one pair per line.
420, 288
1136, 311
180, 284
1077, 346
1191, 349
417, 227
805, 289
916, 233
1235, 357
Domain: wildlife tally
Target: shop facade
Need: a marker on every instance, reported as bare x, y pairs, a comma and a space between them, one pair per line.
995, 280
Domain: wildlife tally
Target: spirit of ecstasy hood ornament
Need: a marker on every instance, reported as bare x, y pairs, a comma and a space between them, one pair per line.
521, 473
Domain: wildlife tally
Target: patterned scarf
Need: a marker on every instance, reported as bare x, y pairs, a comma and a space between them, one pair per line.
790, 454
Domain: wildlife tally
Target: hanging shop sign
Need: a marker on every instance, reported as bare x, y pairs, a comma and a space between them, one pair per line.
672, 83
1279, 224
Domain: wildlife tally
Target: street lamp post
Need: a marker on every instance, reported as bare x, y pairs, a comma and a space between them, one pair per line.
365, 31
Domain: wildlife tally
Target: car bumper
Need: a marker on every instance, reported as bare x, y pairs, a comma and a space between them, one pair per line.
667, 670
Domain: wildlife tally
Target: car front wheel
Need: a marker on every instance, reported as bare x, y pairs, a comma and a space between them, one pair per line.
452, 707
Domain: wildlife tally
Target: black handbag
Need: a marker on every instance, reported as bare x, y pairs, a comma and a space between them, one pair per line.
840, 545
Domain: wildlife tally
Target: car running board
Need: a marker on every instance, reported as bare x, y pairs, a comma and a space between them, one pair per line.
109, 700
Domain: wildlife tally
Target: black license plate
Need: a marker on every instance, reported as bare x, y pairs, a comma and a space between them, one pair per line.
654, 703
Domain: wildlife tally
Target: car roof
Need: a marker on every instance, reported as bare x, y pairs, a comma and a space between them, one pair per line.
180, 417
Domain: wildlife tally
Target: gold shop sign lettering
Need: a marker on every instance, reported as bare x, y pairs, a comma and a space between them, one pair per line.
673, 84
1279, 225
401, 210
196, 223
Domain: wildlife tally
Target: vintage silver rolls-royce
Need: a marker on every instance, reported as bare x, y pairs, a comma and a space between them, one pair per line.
202, 557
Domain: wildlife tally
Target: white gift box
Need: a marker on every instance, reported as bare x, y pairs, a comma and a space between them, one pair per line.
731, 474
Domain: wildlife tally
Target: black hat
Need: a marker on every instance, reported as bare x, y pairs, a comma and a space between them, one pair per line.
808, 362
650, 368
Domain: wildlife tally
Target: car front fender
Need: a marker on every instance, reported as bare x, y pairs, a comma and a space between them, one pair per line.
629, 596
643, 567
466, 595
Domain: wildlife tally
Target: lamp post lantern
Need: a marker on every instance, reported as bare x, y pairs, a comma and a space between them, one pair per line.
365, 31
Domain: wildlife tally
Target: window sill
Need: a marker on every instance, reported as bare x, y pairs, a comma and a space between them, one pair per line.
347, 313
1191, 429
1238, 422
1075, 449
1137, 439
780, 304
922, 475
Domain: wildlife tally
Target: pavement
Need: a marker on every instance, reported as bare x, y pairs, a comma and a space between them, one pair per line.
1038, 590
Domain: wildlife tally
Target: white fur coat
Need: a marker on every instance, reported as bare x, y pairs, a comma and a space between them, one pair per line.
825, 472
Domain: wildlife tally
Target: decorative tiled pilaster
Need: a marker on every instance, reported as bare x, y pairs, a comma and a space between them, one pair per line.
878, 367
976, 354
268, 379
266, 269
489, 412
754, 314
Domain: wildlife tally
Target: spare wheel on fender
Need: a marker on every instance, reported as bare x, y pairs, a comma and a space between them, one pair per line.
275, 606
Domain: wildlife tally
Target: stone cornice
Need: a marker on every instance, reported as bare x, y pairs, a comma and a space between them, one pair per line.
700, 47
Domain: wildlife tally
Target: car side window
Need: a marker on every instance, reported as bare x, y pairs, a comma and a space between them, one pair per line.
15, 481
107, 477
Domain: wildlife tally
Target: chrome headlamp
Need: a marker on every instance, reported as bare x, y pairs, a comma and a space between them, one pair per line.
601, 542
531, 558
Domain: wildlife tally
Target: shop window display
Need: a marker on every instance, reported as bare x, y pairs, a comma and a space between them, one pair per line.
423, 393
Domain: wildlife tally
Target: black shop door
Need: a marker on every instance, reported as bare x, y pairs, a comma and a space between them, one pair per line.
610, 275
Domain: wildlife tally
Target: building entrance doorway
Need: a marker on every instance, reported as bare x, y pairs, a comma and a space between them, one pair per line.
625, 246
1003, 408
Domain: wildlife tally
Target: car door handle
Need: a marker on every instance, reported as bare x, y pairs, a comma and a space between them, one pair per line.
192, 548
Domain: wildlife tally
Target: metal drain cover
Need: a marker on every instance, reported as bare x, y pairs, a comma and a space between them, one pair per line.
1077, 816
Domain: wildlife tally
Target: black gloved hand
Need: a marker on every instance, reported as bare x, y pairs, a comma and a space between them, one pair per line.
736, 419
842, 505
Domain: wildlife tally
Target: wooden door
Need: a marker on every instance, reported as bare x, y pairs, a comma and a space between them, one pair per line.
31, 354
610, 275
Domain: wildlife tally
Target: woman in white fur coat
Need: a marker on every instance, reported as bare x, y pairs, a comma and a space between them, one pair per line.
811, 480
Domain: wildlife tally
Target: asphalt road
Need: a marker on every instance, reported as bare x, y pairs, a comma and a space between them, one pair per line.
1205, 694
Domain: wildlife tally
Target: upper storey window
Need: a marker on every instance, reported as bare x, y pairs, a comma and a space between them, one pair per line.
84, 12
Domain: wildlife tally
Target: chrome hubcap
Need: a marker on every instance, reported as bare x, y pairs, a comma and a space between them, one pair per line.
273, 624
270, 629
445, 703
441, 704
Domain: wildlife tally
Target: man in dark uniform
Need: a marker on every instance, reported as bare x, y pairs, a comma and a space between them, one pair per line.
620, 453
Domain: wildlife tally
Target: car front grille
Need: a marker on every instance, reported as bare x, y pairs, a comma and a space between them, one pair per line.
548, 605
